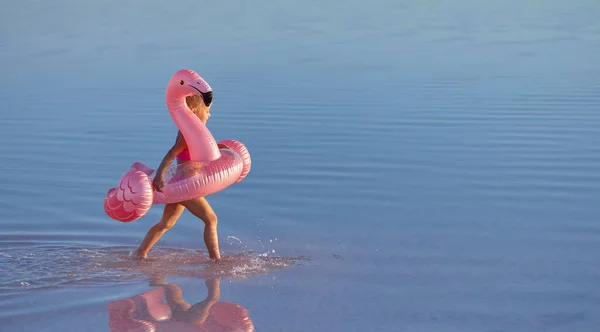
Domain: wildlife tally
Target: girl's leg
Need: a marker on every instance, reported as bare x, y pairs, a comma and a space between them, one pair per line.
170, 215
201, 209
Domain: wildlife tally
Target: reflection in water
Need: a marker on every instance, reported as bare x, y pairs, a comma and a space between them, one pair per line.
38, 268
164, 309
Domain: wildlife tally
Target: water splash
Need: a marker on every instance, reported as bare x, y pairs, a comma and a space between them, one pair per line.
43, 266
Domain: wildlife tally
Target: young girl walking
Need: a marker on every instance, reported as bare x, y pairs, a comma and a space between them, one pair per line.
199, 207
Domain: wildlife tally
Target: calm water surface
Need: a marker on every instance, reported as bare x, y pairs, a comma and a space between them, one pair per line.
426, 166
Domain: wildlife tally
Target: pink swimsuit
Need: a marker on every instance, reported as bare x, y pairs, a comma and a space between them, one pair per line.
185, 154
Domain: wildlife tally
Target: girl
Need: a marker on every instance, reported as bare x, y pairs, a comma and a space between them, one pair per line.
198, 206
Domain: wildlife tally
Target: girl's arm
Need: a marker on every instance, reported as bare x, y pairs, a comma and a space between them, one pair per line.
177, 148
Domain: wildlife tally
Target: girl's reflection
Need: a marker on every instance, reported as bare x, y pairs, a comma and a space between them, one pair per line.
148, 312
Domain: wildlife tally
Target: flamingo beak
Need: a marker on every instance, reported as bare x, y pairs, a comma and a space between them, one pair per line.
206, 96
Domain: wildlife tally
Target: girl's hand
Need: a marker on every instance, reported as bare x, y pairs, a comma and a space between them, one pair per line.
158, 183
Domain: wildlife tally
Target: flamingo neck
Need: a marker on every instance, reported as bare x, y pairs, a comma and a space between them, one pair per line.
201, 143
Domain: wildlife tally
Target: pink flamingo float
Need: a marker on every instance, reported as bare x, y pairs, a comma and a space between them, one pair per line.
209, 170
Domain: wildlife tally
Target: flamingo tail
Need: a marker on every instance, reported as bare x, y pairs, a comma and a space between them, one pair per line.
132, 198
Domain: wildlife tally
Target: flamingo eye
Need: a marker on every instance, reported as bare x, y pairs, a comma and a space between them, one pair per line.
181, 82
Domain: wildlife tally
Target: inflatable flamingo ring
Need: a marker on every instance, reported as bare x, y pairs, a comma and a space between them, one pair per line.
209, 170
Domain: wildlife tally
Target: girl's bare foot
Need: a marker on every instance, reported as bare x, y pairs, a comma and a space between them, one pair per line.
216, 258
138, 255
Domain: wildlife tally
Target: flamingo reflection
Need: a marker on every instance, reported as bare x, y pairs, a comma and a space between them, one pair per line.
164, 309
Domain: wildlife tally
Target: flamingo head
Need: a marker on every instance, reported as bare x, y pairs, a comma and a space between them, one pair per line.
187, 82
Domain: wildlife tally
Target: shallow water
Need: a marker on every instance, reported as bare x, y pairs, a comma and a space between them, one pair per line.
416, 167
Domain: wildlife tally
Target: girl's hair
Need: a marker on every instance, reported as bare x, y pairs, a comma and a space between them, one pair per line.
193, 101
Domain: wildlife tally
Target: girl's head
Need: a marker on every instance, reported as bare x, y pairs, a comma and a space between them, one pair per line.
196, 104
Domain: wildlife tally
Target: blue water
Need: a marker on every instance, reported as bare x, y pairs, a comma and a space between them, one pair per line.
420, 166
